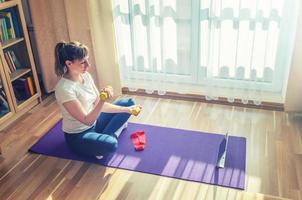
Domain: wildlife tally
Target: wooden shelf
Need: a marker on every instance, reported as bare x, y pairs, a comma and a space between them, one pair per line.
11, 42
12, 51
8, 4
18, 73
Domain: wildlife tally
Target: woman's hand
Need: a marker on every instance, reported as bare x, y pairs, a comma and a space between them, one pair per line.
134, 110
108, 90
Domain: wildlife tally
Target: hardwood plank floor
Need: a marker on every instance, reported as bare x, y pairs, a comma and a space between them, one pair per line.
274, 156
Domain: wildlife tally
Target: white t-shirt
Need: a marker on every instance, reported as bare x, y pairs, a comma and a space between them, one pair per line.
85, 93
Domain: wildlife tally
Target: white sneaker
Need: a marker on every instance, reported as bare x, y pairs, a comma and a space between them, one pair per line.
99, 157
125, 125
119, 131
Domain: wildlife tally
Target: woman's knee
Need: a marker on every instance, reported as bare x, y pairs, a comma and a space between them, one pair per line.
125, 102
95, 144
112, 146
109, 145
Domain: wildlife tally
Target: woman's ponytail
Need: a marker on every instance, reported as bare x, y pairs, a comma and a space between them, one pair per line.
60, 67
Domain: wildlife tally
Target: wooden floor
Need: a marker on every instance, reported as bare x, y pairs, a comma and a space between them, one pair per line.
274, 156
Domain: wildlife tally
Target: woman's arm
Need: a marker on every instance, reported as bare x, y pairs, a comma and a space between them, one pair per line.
77, 111
111, 108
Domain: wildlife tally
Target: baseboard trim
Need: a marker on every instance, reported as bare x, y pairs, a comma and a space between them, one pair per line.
201, 98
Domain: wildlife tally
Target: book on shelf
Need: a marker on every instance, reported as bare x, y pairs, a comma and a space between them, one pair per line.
15, 60
30, 85
9, 62
15, 20
3, 103
8, 67
21, 89
3, 109
3, 100
3, 95
12, 61
9, 24
3, 29
1, 33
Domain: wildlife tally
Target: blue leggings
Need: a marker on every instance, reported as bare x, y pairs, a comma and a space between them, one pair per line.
100, 139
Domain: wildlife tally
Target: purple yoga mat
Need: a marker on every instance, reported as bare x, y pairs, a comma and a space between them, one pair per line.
177, 153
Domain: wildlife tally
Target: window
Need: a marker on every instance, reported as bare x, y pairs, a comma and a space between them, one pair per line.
238, 44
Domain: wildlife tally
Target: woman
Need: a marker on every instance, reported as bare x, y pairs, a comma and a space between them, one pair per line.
91, 126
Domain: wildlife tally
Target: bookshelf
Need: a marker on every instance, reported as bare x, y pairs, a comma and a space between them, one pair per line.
19, 85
